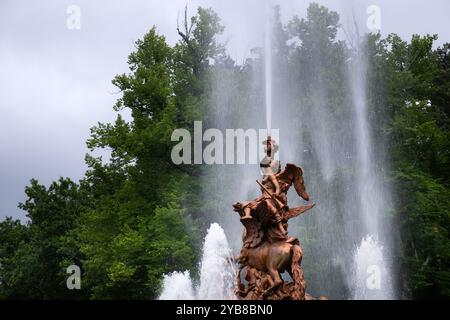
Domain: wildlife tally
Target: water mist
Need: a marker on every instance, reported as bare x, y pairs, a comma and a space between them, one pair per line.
370, 257
268, 68
217, 273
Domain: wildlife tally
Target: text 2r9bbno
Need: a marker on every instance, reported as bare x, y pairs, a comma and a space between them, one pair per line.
236, 309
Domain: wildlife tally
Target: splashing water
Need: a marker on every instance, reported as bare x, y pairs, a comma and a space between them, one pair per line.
177, 286
217, 273
370, 274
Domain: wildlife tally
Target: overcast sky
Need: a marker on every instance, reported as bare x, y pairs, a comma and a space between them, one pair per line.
55, 83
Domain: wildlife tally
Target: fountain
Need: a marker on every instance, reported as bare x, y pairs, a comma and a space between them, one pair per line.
217, 273
177, 286
318, 99
370, 256
370, 273
331, 139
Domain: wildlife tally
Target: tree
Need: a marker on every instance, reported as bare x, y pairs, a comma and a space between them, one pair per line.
35, 256
138, 229
420, 152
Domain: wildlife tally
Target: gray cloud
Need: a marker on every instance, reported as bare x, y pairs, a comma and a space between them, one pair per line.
56, 83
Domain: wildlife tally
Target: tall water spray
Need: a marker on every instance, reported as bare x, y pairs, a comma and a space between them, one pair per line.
321, 106
268, 68
370, 257
217, 273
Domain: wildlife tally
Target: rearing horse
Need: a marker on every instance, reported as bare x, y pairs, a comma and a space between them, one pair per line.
275, 258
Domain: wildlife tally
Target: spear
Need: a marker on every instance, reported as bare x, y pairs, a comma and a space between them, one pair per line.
280, 204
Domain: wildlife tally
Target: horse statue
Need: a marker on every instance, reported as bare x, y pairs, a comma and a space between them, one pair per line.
267, 250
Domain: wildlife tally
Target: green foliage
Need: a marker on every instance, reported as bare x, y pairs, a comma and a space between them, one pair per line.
34, 257
137, 230
420, 150
125, 223
423, 204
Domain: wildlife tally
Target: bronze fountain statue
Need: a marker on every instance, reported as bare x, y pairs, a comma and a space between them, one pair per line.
267, 249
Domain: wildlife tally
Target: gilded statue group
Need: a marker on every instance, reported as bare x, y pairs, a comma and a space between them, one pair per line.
267, 249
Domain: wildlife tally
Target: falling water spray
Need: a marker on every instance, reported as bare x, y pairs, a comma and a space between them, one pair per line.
371, 274
268, 66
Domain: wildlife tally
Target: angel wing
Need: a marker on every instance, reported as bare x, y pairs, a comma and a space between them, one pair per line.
294, 212
294, 175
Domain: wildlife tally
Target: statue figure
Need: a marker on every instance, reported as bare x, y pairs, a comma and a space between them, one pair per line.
269, 187
267, 250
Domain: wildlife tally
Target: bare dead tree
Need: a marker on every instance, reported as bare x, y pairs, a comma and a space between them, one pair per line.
186, 36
